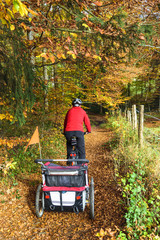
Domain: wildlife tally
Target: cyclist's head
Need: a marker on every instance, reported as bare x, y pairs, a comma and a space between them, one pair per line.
76, 102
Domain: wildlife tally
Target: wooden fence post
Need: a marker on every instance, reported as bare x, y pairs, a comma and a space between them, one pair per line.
141, 122
129, 116
125, 113
134, 117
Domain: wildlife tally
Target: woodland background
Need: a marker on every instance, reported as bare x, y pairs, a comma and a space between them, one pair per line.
104, 52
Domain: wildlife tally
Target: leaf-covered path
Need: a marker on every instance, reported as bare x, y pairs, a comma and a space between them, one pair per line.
18, 219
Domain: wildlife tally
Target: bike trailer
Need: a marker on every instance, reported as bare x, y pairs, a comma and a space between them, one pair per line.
64, 188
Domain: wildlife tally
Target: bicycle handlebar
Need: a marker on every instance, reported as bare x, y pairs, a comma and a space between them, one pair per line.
84, 133
61, 160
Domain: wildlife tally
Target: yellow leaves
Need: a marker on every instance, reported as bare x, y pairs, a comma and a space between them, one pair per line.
97, 57
1, 102
116, 44
44, 55
63, 56
11, 165
74, 35
11, 142
107, 59
101, 234
12, 27
24, 26
5, 15
47, 33
10, 13
18, 6
85, 25
108, 232
51, 56
3, 21
123, 31
8, 165
60, 55
72, 54
9, 8
8, 2
23, 10
6, 116
108, 16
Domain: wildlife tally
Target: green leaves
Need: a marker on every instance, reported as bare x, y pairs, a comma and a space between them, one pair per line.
140, 218
16, 5
140, 188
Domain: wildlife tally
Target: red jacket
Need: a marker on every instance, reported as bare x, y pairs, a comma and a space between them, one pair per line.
74, 120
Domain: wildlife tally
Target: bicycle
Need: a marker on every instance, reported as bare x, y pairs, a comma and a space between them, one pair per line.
64, 188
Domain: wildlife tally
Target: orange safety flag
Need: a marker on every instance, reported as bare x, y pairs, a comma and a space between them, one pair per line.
34, 139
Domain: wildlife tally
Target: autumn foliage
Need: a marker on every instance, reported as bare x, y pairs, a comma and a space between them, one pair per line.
69, 48
104, 52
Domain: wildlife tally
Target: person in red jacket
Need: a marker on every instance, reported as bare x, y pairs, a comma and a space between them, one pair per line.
73, 125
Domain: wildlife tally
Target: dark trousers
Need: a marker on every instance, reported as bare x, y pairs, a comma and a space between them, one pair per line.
80, 143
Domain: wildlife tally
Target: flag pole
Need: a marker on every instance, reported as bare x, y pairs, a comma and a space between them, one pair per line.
40, 150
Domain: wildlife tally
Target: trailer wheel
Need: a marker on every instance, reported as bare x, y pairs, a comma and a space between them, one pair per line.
39, 201
91, 198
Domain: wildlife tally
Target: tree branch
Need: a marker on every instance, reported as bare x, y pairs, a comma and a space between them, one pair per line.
52, 64
148, 46
73, 30
71, 13
153, 23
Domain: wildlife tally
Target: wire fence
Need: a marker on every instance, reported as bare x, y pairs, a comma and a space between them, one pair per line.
155, 136
149, 116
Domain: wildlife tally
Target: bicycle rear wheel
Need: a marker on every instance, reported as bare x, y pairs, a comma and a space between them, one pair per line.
39, 201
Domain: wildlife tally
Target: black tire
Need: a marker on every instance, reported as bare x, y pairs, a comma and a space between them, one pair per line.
91, 198
39, 201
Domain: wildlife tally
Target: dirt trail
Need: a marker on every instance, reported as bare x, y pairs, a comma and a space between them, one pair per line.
17, 216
